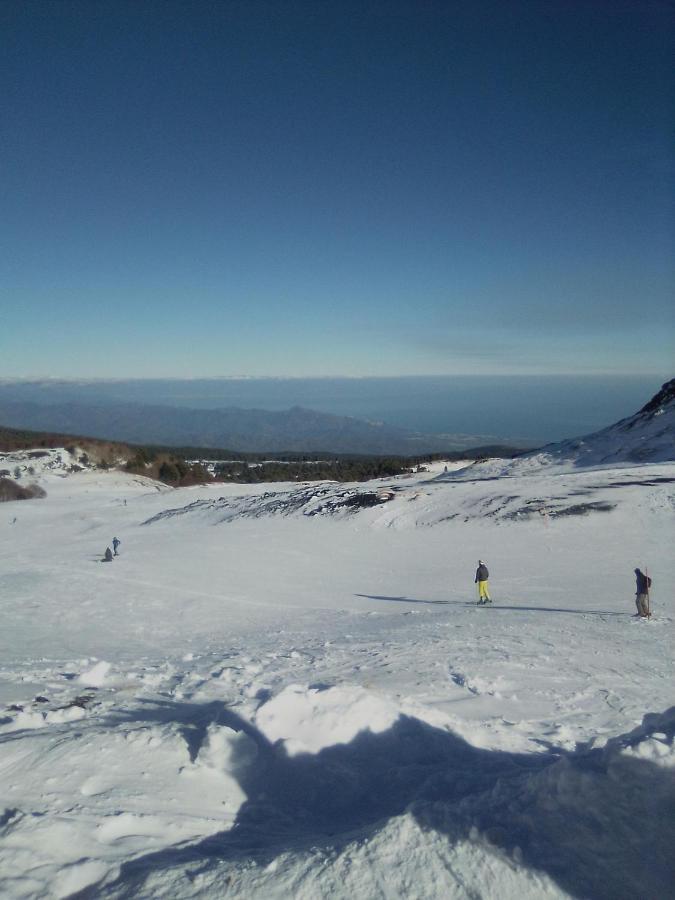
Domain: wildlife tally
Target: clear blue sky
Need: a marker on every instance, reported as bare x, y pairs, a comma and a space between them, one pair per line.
326, 188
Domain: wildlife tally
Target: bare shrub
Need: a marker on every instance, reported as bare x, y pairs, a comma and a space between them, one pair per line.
10, 490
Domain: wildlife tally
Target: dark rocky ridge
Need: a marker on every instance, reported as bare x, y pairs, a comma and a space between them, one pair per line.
665, 396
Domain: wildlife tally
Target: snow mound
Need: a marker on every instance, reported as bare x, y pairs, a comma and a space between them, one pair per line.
309, 719
415, 810
95, 676
225, 750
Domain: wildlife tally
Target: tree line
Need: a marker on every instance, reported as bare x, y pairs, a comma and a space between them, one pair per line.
180, 466
322, 470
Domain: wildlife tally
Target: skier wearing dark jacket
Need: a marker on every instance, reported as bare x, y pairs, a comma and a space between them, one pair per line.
642, 584
481, 580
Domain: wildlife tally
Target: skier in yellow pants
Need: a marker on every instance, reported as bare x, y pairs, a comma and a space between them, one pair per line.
481, 580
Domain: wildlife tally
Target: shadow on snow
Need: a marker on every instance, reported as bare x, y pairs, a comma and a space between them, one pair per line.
599, 823
413, 600
498, 607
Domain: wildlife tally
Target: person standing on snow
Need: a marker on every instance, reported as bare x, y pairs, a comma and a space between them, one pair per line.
116, 542
481, 580
107, 557
642, 584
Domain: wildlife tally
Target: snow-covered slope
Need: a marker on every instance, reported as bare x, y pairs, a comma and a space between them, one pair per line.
285, 692
646, 437
44, 465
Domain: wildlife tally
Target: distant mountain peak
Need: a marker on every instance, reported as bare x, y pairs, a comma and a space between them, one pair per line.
661, 399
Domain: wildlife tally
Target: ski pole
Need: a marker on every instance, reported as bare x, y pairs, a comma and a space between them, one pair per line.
649, 609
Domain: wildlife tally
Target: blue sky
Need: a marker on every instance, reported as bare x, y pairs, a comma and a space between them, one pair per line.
315, 188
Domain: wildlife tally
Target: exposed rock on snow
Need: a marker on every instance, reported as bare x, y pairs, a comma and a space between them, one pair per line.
576, 494
37, 463
315, 500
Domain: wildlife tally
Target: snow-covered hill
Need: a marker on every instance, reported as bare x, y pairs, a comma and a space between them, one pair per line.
646, 437
289, 692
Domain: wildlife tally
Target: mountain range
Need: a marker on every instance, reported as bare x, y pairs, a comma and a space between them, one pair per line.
246, 430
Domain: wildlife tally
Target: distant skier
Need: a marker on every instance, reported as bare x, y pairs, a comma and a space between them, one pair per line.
116, 543
481, 580
642, 584
108, 555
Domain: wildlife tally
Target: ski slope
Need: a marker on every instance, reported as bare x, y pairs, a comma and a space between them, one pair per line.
281, 691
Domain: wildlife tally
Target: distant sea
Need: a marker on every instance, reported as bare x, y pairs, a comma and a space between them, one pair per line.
530, 409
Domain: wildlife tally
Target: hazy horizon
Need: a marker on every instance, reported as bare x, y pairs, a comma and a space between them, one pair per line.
534, 409
243, 376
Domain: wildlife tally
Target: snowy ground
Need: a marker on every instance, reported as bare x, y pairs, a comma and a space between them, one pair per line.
275, 693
